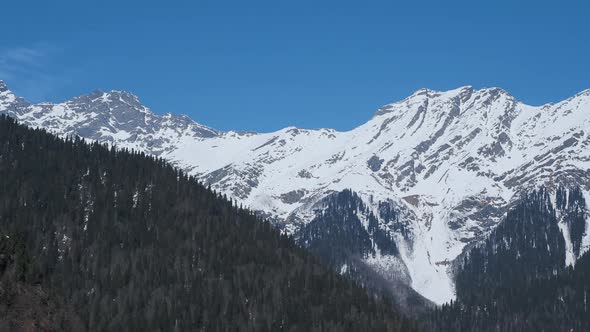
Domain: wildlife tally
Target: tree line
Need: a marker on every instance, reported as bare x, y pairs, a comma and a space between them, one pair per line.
134, 244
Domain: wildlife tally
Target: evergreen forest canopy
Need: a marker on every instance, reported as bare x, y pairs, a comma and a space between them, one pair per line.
117, 240
514, 280
517, 279
338, 237
134, 244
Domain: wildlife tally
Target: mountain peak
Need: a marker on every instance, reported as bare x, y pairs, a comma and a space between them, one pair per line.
122, 93
96, 93
453, 158
435, 93
3, 86
110, 99
462, 92
494, 91
7, 97
420, 95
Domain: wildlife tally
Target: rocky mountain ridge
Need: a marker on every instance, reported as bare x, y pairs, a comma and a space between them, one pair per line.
449, 163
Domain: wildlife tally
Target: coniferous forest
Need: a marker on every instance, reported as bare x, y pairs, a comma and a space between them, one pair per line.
338, 237
126, 242
99, 239
517, 279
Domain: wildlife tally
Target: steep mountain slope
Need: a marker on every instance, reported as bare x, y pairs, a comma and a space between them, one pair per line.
449, 164
346, 235
519, 278
134, 244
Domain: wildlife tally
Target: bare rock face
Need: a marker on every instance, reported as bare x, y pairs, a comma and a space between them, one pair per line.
293, 196
450, 163
374, 163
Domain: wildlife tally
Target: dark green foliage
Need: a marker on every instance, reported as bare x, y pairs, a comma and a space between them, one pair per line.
345, 233
336, 233
517, 279
390, 216
528, 244
557, 303
134, 244
13, 255
24, 304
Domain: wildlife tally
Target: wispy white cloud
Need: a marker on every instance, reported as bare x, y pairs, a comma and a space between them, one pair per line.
21, 56
29, 70
18, 61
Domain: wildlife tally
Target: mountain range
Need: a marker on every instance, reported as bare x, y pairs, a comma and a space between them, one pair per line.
434, 174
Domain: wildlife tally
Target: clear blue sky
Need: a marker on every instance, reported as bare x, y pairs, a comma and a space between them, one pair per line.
264, 65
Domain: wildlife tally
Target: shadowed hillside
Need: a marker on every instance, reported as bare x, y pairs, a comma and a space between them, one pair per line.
135, 244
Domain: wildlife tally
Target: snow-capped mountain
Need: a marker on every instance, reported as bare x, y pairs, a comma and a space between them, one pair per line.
450, 163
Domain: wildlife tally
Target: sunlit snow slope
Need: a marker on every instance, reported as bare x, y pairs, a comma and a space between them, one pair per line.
451, 162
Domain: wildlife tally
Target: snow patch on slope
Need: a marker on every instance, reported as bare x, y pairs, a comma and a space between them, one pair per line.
585, 246
451, 161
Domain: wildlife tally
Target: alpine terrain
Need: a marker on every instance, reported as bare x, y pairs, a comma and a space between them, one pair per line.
402, 199
94, 238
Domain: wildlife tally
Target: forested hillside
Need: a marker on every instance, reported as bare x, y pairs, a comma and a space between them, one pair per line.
95, 238
517, 280
337, 232
25, 305
134, 244
346, 235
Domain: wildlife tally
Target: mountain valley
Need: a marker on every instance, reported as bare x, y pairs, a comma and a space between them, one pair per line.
432, 175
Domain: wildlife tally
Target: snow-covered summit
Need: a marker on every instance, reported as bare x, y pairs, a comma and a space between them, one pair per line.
115, 117
450, 161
